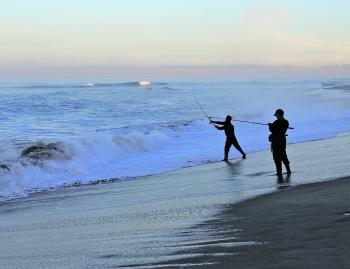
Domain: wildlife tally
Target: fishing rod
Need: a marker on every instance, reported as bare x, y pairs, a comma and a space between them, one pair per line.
252, 122
201, 108
259, 123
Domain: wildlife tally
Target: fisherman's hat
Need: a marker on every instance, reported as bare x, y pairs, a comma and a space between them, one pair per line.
279, 112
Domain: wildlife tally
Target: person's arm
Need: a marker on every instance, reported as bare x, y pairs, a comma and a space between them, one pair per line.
219, 127
272, 126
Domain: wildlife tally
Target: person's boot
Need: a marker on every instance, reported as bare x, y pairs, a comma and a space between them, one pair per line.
278, 169
288, 169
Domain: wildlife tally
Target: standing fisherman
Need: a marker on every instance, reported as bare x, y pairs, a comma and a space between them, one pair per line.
278, 141
230, 136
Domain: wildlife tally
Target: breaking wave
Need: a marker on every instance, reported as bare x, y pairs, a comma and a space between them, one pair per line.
100, 156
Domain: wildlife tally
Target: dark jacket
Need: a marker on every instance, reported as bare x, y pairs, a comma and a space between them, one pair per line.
278, 131
228, 127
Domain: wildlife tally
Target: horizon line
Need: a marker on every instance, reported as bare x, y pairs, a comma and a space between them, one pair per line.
233, 70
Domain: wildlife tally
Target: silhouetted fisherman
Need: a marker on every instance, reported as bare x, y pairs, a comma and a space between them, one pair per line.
278, 141
230, 136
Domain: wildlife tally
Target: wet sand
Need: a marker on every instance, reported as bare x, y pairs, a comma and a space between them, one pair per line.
304, 227
190, 217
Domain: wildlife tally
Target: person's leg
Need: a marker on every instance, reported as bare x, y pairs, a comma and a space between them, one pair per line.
277, 159
227, 149
238, 147
285, 160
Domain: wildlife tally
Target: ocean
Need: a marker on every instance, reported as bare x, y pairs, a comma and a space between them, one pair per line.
62, 133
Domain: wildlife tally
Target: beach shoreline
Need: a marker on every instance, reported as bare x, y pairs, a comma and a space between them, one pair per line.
30, 193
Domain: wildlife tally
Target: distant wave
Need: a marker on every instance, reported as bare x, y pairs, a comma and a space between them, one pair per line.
119, 84
340, 87
169, 89
328, 84
82, 85
127, 84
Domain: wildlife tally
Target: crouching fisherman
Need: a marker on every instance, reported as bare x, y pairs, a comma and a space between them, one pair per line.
230, 136
278, 141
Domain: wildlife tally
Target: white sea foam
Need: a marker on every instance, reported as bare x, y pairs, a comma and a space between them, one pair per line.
84, 160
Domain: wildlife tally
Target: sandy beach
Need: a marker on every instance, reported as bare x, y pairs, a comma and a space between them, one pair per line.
303, 227
191, 217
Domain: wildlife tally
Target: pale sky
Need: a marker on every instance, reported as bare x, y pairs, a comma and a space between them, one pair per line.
157, 33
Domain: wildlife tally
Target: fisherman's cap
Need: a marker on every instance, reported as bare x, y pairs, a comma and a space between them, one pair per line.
279, 112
